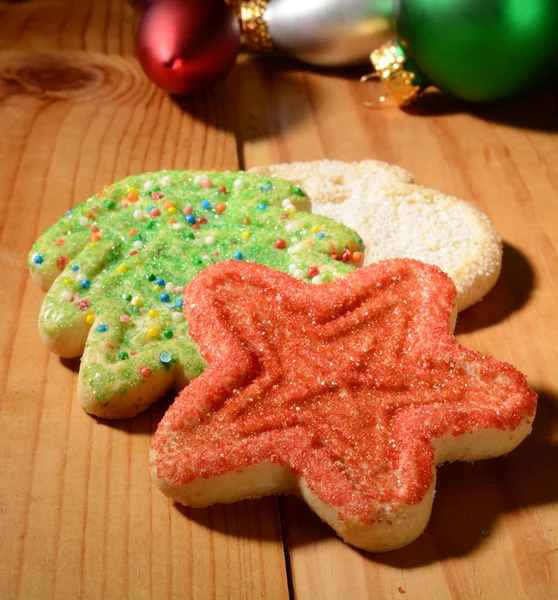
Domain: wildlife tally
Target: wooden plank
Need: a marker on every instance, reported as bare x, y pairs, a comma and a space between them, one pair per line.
80, 517
503, 160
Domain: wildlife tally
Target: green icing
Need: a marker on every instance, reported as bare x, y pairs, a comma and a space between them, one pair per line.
103, 261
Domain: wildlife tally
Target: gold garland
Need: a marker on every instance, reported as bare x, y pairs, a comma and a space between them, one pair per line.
254, 28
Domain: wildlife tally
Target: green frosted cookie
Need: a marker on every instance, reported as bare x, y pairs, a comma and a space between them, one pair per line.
116, 265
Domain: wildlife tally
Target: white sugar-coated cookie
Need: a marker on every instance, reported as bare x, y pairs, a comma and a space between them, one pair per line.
397, 219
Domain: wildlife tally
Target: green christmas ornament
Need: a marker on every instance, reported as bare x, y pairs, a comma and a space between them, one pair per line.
476, 50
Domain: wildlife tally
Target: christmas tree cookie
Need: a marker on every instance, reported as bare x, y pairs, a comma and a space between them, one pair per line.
114, 269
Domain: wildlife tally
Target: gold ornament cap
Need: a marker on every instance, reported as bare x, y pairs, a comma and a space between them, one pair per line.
254, 28
389, 62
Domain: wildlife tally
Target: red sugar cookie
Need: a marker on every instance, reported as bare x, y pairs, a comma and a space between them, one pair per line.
348, 394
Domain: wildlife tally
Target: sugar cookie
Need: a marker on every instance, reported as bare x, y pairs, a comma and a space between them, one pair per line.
348, 393
397, 219
115, 267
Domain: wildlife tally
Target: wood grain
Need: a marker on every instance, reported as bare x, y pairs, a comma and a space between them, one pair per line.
503, 160
79, 517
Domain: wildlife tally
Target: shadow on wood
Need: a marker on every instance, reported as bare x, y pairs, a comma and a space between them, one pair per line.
72, 364
144, 423
511, 292
258, 100
537, 111
249, 519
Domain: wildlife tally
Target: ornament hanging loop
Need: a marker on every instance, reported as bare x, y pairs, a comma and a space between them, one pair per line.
360, 87
389, 64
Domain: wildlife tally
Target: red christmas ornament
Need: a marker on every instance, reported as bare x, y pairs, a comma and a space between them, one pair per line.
187, 45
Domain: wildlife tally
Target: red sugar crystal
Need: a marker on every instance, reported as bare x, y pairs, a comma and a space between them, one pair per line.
345, 384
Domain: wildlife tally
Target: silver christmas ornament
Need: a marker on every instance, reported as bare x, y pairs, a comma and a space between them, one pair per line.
319, 32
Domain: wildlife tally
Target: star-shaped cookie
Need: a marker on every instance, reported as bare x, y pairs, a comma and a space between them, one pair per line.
349, 394
115, 266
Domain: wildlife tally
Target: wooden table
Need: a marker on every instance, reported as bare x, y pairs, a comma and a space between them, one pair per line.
79, 516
